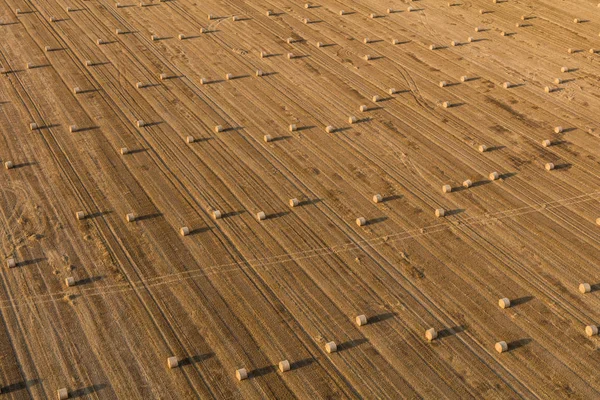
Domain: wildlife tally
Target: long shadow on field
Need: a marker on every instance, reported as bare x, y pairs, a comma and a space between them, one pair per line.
26, 164
99, 214
19, 386
518, 343
450, 331
351, 344
310, 202
30, 262
302, 363
595, 288
196, 359
563, 166
455, 211
508, 175
263, 371
392, 197
521, 300
381, 317
89, 280
496, 148
376, 220
87, 390
149, 216
232, 214
277, 215
199, 230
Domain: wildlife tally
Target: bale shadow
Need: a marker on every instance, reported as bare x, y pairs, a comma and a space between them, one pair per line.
376, 220
199, 230
87, 390
392, 197
302, 363
521, 300
232, 214
258, 372
564, 166
26, 164
496, 148
148, 216
91, 279
30, 262
195, 359
516, 344
277, 215
351, 344
451, 331
455, 211
13, 387
381, 317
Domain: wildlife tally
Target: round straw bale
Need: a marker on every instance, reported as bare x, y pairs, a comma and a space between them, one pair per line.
501, 347
284, 366
585, 288
62, 394
494, 176
440, 212
331, 347
361, 221
172, 362
216, 214
546, 143
241, 374
80, 215
431, 334
446, 188
504, 303
70, 281
549, 166
130, 217
294, 202
361, 320
467, 183
184, 231
9, 165
377, 198
591, 330
482, 148
261, 215
11, 263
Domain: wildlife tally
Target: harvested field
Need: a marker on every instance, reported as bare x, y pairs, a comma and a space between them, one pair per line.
273, 199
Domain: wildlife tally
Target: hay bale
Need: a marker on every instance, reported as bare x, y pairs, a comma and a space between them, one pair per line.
184, 231
330, 347
361, 221
218, 128
467, 183
124, 150
241, 374
482, 148
558, 81
290, 56
446, 188
9, 165
501, 347
546, 143
352, 119
140, 85
585, 288
119, 31
70, 281
494, 176
507, 85
454, 43
284, 366
478, 29
73, 128
597, 221
431, 334
376, 98
267, 138
549, 166
363, 108
294, 202
367, 57
261, 215
366, 40
293, 128
591, 330
440, 212
395, 41
228, 77
470, 39
361, 320
558, 129
329, 129
259, 72
100, 42
548, 89
140, 123
443, 84
377, 198
172, 362
319, 44
89, 63
504, 303
564, 69
62, 394
216, 214
342, 12
190, 139
33, 126
576, 20
11, 263
432, 47
268, 13
76, 90
181, 36
446, 104
80, 215
130, 217
392, 91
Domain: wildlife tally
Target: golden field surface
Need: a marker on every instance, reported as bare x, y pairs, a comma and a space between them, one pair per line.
231, 183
